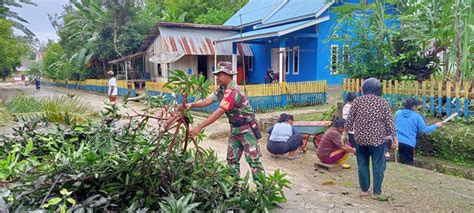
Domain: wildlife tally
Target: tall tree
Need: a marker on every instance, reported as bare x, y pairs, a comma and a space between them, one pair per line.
7, 13
11, 50
370, 46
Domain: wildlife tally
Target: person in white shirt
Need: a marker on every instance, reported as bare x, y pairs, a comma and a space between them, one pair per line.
284, 138
345, 112
112, 87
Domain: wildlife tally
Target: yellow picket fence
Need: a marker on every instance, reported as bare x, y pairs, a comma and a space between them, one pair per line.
255, 90
416, 88
437, 96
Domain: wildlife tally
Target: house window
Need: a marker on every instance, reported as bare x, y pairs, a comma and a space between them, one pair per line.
296, 60
287, 60
168, 69
334, 57
345, 58
160, 70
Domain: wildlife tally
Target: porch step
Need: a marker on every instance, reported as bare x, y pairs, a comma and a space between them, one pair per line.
329, 167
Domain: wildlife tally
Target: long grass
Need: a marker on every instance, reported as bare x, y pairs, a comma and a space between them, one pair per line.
54, 109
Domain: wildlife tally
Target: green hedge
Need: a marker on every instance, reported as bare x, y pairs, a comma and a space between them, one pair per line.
454, 142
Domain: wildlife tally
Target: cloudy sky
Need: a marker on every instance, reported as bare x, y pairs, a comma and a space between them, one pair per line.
38, 17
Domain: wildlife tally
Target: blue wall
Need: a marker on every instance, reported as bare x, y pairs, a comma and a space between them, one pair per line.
315, 53
324, 49
314, 56
261, 63
308, 56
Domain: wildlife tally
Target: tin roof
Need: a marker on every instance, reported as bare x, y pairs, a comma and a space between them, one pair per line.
294, 9
254, 11
273, 31
187, 39
155, 31
264, 13
191, 41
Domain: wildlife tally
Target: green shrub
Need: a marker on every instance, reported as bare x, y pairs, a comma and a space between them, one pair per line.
454, 142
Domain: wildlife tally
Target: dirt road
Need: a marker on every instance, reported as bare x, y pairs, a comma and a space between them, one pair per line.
413, 189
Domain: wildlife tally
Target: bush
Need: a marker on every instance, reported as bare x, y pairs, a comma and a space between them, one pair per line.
454, 142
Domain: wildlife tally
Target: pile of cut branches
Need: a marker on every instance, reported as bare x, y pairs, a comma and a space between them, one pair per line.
138, 162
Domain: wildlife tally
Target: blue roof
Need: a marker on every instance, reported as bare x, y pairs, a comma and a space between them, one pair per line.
294, 9
270, 32
254, 10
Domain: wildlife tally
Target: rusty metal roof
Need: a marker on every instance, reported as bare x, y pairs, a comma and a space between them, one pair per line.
188, 39
155, 32
192, 41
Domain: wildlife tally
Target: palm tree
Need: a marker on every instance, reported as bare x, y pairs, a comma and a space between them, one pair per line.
17, 21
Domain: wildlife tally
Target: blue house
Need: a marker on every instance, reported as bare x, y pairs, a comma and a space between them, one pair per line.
290, 38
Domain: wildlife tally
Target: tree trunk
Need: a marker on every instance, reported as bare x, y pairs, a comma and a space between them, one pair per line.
457, 42
104, 67
116, 29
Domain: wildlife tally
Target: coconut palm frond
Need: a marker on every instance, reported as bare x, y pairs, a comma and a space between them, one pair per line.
56, 109
5, 116
25, 109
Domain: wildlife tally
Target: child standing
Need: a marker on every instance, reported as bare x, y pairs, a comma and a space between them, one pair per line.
408, 123
345, 112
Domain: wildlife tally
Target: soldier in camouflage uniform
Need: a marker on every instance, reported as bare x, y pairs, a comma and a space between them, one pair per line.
244, 129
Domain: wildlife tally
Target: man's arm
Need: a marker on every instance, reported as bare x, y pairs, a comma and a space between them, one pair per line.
425, 128
209, 120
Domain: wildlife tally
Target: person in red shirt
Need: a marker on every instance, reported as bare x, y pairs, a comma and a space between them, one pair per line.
332, 149
244, 130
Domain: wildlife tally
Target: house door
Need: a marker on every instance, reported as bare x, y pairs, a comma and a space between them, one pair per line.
202, 65
275, 60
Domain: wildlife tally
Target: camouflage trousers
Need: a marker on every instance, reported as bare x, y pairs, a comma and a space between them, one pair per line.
242, 140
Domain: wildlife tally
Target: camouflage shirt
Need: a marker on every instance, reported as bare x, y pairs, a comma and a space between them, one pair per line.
234, 102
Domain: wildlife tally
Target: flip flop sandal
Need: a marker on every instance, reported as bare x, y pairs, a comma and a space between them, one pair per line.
292, 158
363, 195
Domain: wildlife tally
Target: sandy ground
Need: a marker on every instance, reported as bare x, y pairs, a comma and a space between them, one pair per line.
413, 189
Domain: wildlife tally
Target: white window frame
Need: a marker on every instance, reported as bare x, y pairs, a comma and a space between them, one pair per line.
296, 53
331, 62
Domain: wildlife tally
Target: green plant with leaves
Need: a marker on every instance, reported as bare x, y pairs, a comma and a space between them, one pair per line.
443, 26
370, 46
404, 39
181, 205
11, 49
61, 109
61, 203
454, 142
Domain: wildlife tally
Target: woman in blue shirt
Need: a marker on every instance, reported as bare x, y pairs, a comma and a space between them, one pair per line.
284, 138
408, 123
